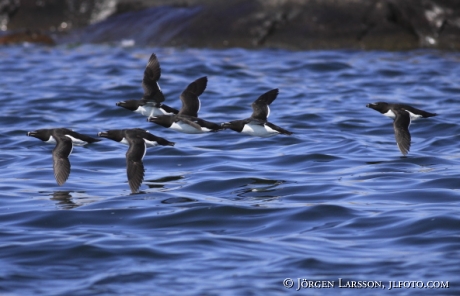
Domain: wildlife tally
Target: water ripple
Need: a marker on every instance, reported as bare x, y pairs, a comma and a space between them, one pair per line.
334, 200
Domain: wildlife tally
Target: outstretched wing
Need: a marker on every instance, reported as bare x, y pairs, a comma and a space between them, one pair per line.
152, 138
401, 127
190, 97
414, 110
207, 124
82, 137
278, 129
260, 107
190, 121
61, 163
152, 73
134, 165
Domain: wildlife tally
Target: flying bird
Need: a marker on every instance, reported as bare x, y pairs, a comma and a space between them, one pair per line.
402, 116
257, 124
151, 103
64, 139
187, 121
138, 141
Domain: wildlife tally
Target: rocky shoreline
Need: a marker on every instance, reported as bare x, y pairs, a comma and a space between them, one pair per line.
290, 24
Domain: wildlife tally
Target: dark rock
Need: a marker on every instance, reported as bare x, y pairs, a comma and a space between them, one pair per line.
293, 24
59, 15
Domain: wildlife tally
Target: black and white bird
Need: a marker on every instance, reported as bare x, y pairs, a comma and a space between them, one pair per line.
64, 139
151, 103
257, 124
138, 141
388, 110
187, 121
402, 116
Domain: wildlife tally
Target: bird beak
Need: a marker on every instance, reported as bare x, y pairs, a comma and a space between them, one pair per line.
31, 134
102, 134
119, 103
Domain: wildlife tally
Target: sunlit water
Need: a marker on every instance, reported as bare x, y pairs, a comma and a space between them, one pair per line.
225, 213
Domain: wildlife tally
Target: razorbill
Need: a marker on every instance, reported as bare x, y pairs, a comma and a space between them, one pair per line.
257, 124
138, 141
64, 140
187, 121
151, 102
402, 116
389, 110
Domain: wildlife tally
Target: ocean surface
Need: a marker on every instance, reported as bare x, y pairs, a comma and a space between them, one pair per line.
224, 213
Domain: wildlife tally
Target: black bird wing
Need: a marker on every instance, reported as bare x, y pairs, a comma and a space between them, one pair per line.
199, 123
152, 73
190, 97
401, 127
236, 125
278, 129
134, 165
61, 163
150, 137
82, 137
169, 109
207, 124
260, 107
189, 120
418, 111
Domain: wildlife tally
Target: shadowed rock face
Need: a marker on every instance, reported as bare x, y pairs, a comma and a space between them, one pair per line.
293, 24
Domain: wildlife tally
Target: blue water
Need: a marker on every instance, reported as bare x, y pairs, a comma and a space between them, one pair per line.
224, 213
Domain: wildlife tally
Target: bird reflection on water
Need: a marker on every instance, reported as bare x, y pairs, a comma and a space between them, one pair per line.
67, 200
